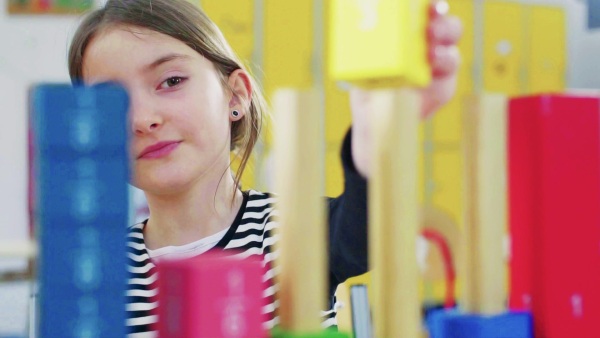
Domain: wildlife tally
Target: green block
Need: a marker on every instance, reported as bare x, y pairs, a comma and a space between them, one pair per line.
279, 333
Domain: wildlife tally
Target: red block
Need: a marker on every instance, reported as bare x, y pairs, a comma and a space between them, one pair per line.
211, 296
554, 192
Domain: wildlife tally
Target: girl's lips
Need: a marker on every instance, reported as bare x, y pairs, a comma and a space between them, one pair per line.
158, 150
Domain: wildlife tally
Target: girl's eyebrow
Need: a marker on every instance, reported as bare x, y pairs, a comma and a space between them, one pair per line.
164, 59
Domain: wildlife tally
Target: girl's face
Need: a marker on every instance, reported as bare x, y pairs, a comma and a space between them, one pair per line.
179, 111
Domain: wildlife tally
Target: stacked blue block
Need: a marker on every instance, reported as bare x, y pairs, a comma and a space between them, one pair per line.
455, 324
81, 171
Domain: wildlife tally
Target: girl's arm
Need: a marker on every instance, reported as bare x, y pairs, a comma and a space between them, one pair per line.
348, 222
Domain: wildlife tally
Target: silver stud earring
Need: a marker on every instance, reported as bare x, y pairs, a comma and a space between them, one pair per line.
235, 113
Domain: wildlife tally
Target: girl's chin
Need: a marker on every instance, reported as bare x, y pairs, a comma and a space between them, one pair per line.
162, 186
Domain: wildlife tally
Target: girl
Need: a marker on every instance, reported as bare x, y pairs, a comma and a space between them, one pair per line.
192, 103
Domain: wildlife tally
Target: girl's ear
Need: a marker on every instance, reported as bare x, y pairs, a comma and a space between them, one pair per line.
241, 87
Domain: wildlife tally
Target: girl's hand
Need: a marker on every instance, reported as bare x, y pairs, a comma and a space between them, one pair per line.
443, 33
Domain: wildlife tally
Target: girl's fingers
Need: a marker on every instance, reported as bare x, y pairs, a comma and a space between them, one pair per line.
438, 8
444, 60
444, 30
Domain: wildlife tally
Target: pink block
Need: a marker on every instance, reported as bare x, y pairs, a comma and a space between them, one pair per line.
211, 296
554, 189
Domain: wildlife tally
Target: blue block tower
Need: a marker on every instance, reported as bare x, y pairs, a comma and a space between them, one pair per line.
81, 172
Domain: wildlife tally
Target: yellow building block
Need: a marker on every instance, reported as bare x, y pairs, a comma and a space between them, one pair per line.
503, 47
379, 43
546, 60
483, 268
302, 287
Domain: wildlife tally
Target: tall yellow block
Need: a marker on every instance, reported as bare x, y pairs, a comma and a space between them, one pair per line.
394, 214
302, 212
486, 193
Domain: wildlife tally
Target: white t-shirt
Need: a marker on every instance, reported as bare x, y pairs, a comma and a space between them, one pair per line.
188, 250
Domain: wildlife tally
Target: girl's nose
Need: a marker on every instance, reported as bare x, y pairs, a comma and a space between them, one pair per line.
144, 118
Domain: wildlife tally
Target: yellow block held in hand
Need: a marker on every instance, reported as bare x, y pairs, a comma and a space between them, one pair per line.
380, 43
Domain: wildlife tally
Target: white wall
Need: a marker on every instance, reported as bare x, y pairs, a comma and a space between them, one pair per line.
584, 48
32, 50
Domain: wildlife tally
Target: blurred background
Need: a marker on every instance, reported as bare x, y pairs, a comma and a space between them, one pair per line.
511, 47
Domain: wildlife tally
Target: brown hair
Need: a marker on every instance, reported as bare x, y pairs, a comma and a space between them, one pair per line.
185, 22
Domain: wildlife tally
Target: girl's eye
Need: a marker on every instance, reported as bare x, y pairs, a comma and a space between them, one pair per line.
171, 82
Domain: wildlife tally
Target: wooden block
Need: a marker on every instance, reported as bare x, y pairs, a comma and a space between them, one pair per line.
300, 185
379, 43
394, 213
211, 296
485, 195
